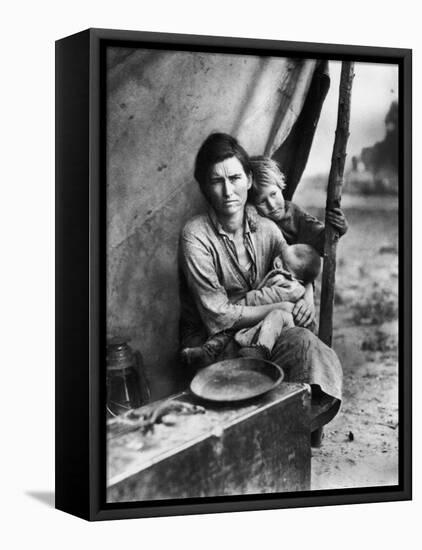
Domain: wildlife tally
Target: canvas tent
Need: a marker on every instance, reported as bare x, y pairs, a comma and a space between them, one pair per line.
161, 105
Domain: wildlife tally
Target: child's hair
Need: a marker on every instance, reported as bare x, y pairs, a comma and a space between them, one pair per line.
303, 262
265, 171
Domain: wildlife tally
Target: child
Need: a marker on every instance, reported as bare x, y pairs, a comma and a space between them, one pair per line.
299, 267
296, 225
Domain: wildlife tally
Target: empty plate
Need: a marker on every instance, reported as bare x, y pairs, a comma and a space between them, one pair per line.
236, 379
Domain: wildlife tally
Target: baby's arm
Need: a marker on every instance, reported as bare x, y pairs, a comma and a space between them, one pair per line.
290, 292
302, 308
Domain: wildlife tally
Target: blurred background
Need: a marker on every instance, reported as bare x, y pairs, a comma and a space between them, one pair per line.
373, 143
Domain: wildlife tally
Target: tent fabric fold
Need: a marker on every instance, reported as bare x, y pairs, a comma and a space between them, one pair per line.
293, 153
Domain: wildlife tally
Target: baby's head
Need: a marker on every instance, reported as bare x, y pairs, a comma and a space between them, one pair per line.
268, 183
303, 262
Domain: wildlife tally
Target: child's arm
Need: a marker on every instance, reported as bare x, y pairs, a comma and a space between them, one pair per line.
310, 230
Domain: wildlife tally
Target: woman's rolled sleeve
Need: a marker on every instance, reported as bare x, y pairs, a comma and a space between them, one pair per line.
216, 310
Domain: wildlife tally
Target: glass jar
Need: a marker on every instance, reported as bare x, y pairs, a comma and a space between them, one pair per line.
124, 390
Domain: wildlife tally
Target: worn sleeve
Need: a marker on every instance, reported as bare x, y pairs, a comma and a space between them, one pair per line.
216, 310
310, 230
292, 291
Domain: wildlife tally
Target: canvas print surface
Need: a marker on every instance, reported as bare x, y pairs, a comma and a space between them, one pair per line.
217, 167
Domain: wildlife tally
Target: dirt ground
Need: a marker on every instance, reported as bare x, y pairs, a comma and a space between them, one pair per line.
360, 447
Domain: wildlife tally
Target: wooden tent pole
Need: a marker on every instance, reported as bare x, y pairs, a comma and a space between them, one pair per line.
335, 182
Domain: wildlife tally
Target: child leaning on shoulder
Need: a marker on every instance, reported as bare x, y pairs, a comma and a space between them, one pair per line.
297, 226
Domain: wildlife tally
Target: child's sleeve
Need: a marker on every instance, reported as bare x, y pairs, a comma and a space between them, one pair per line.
310, 230
292, 291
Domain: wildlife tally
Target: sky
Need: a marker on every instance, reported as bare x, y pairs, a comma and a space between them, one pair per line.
375, 86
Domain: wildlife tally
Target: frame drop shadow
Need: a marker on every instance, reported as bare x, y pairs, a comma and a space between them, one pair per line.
45, 497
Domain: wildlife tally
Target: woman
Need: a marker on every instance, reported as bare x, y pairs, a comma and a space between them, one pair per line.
225, 253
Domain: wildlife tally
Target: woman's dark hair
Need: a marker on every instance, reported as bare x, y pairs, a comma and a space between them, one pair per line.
216, 148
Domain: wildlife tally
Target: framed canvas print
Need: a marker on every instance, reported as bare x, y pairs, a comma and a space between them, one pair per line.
233, 274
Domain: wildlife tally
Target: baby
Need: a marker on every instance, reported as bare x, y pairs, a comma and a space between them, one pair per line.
299, 267
300, 264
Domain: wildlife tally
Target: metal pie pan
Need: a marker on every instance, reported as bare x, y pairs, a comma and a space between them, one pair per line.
236, 379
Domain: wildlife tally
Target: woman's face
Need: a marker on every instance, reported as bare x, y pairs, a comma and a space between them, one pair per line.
269, 202
227, 187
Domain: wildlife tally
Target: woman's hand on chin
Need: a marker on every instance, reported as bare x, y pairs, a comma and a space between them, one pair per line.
303, 313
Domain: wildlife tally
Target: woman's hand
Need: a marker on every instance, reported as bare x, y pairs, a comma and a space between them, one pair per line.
303, 313
304, 309
338, 220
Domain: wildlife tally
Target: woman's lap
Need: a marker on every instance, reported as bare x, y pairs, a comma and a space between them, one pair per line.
303, 358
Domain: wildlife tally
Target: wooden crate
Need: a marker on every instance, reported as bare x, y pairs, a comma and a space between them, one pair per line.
259, 447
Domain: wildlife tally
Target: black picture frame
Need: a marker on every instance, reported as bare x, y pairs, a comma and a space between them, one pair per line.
81, 263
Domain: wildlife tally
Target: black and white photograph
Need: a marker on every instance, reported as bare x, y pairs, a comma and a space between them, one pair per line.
252, 274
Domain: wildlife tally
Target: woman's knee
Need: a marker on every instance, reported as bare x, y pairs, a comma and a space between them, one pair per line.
301, 334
